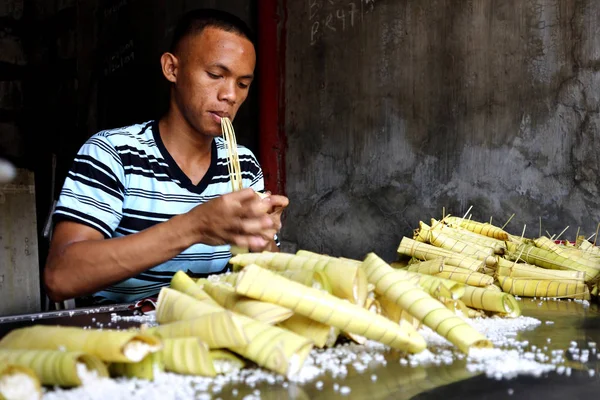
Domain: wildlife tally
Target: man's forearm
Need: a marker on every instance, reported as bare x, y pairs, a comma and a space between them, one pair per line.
85, 267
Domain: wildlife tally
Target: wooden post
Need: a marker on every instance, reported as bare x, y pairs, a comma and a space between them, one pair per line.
272, 16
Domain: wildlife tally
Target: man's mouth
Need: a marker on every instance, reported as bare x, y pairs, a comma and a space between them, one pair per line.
217, 115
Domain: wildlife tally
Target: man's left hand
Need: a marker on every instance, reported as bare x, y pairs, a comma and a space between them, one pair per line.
278, 204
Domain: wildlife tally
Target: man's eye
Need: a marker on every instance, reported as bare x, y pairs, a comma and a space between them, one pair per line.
213, 76
243, 85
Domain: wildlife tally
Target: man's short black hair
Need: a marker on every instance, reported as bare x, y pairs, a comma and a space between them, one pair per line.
193, 23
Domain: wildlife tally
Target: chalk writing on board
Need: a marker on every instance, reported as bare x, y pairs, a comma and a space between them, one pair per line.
120, 58
114, 8
328, 17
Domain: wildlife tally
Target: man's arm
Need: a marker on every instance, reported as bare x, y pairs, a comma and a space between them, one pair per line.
81, 261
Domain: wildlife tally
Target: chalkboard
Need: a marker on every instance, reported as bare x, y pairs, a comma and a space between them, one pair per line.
129, 38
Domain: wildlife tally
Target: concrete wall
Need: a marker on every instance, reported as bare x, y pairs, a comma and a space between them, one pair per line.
397, 108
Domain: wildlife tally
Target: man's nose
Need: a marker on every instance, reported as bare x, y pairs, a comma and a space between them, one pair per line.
227, 92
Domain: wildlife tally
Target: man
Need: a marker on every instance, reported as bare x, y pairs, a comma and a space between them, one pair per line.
144, 201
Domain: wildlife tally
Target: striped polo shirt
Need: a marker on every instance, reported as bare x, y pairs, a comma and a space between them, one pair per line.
124, 180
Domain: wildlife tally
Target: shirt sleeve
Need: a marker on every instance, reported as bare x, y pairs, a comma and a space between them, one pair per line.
93, 191
252, 176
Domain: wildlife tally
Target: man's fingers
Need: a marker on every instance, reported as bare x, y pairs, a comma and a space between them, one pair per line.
257, 244
253, 208
278, 201
252, 205
277, 223
255, 226
254, 243
242, 195
243, 205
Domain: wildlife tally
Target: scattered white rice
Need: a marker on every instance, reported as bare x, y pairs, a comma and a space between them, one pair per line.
509, 358
219, 277
85, 375
136, 350
505, 364
148, 319
18, 385
344, 390
585, 303
336, 361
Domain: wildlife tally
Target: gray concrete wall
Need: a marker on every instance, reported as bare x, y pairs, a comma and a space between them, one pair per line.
397, 108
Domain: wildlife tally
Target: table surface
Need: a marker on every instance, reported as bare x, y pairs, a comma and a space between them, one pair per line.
80, 317
571, 322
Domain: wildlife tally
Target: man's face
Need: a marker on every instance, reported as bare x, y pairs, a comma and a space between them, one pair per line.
214, 74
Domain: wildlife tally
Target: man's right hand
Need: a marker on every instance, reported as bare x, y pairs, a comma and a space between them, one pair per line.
239, 218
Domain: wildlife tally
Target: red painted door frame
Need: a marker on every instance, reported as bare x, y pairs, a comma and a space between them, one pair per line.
272, 18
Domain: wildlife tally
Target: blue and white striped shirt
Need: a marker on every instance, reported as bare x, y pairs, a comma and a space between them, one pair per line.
124, 180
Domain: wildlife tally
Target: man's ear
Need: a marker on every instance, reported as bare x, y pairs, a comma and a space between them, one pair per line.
169, 65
